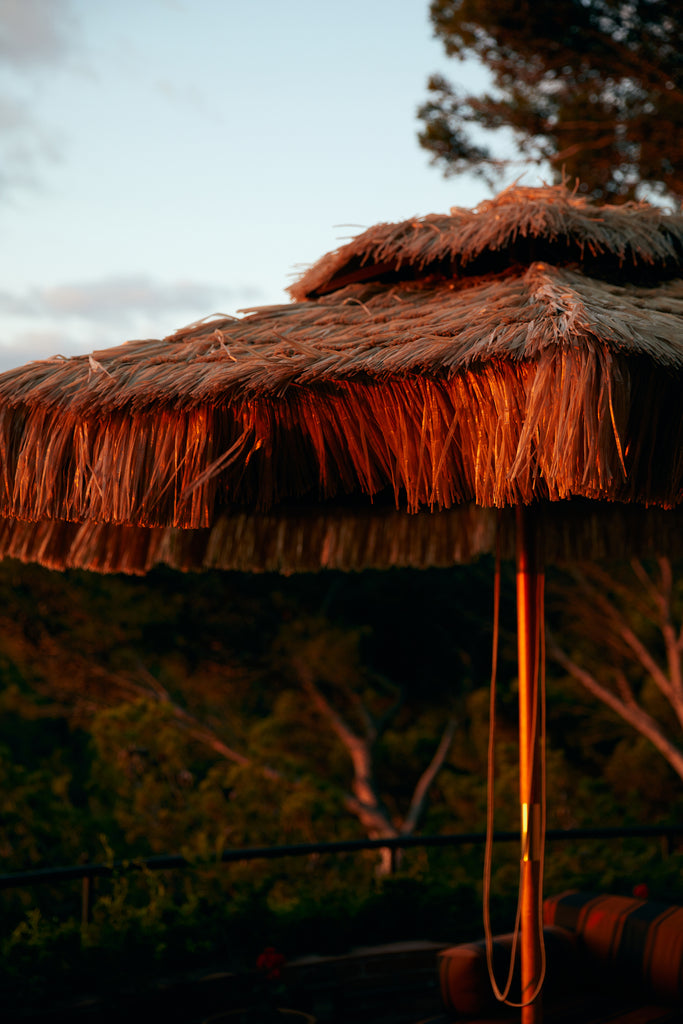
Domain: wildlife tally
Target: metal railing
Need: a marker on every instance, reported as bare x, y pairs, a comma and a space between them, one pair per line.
159, 862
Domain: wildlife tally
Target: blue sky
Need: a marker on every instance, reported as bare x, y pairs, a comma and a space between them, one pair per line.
163, 160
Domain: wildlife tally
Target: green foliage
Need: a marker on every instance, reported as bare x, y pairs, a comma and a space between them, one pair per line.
120, 697
144, 765
592, 87
33, 806
37, 952
145, 926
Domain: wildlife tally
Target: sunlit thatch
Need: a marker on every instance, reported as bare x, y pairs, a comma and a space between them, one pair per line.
519, 226
434, 370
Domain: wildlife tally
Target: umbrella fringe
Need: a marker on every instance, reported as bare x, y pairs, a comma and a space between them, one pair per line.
576, 421
307, 540
532, 384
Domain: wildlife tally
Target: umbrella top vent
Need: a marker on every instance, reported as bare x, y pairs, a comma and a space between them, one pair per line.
520, 226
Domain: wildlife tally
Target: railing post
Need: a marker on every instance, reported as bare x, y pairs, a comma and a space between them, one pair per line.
87, 883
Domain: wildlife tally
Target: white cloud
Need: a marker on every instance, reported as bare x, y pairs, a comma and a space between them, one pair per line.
78, 317
27, 346
36, 36
35, 32
124, 297
13, 114
24, 142
184, 95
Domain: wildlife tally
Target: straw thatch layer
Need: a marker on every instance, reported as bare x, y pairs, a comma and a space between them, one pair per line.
362, 333
430, 394
520, 225
307, 540
531, 386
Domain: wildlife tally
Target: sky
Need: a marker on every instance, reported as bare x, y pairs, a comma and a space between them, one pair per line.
165, 160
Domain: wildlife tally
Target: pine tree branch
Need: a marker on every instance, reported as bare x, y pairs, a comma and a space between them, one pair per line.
638, 66
580, 147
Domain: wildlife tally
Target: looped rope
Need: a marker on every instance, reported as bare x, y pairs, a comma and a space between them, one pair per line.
539, 680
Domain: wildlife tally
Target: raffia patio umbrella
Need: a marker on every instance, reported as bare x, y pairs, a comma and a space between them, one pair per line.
511, 372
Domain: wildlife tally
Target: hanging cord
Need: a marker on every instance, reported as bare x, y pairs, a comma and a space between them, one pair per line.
539, 679
501, 995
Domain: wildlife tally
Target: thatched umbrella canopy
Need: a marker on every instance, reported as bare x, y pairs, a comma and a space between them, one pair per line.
529, 351
430, 378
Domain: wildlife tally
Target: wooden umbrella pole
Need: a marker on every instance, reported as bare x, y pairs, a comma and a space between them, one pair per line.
529, 573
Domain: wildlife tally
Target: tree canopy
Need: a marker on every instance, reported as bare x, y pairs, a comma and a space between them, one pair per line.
190, 713
594, 88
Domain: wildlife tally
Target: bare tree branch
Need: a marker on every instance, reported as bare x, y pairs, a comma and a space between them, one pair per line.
654, 670
601, 582
374, 819
106, 688
339, 724
385, 720
649, 587
624, 688
630, 711
365, 800
673, 651
428, 776
369, 723
622, 628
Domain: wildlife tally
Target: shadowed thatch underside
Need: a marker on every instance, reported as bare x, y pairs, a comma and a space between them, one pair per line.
529, 384
306, 540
